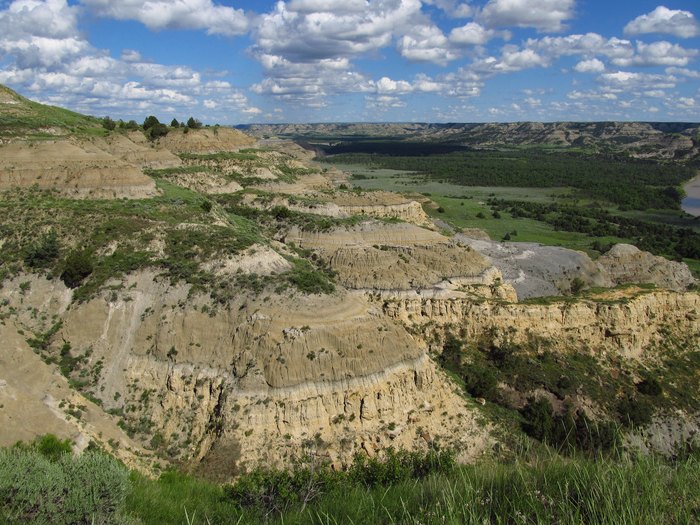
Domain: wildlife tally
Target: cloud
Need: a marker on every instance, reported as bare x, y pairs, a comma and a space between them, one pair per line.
592, 65
131, 55
627, 80
384, 102
40, 34
657, 54
667, 21
543, 15
300, 35
588, 45
682, 72
44, 52
307, 48
472, 34
386, 85
53, 19
512, 59
453, 8
590, 95
426, 43
175, 14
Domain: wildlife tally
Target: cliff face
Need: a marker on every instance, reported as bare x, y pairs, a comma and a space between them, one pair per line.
262, 380
268, 378
74, 169
625, 322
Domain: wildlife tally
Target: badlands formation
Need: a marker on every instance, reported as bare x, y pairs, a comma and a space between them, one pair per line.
163, 371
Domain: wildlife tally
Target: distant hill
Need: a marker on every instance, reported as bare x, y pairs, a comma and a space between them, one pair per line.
661, 140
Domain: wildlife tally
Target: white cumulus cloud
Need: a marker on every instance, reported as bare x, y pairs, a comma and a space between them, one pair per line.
175, 14
657, 54
664, 20
543, 15
592, 65
472, 34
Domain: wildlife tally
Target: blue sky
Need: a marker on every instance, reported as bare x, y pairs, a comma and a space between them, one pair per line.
240, 61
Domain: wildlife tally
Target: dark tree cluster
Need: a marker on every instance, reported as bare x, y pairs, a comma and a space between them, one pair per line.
660, 239
153, 128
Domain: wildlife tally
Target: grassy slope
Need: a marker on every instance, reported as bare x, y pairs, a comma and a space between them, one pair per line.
24, 117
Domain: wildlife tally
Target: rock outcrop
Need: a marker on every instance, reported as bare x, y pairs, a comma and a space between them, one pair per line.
266, 377
206, 140
76, 169
34, 396
627, 322
535, 270
625, 263
378, 256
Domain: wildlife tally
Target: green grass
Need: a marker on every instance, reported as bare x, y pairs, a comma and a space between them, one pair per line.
249, 155
406, 181
550, 490
27, 118
462, 213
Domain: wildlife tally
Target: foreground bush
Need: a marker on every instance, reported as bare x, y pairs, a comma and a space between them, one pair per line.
88, 489
276, 491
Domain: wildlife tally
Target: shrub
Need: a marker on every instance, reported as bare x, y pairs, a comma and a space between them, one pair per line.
77, 267
157, 131
538, 419
51, 447
399, 466
150, 122
275, 491
482, 381
43, 253
108, 124
649, 387
193, 123
577, 285
635, 412
309, 280
84, 490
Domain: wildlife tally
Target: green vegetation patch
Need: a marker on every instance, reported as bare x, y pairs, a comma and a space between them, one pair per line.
44, 483
553, 490
632, 183
88, 242
512, 379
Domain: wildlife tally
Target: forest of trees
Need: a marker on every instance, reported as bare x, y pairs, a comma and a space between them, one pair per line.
629, 183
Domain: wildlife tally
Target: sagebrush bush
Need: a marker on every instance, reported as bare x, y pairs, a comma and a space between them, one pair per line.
649, 387
88, 489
